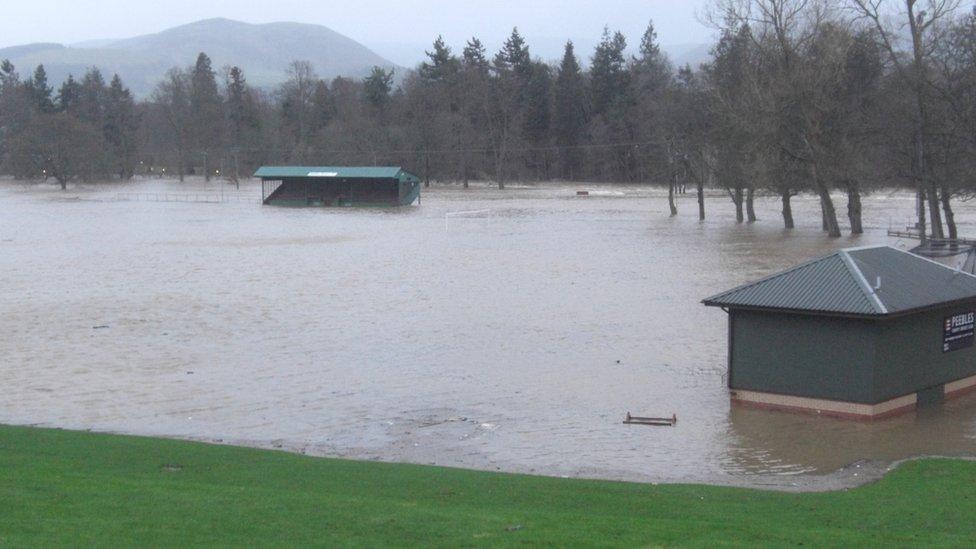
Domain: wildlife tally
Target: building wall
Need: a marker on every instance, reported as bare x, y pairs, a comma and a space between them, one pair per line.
803, 355
910, 356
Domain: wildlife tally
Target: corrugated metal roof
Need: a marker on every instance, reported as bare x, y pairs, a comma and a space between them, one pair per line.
352, 172
845, 283
909, 281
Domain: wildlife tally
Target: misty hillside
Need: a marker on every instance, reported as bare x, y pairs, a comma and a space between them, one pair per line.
263, 51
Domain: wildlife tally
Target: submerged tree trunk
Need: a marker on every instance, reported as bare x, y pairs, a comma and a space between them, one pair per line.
737, 200
180, 165
671, 188
920, 211
785, 197
950, 216
750, 207
854, 208
831, 226
500, 169
701, 200
237, 172
924, 183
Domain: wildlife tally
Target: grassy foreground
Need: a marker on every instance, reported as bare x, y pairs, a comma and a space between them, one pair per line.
71, 488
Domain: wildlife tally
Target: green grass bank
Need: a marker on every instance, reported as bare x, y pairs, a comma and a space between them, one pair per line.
75, 488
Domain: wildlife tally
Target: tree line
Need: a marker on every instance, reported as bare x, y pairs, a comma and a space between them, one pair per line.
798, 96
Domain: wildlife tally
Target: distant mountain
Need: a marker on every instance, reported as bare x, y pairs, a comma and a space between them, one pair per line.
689, 54
263, 51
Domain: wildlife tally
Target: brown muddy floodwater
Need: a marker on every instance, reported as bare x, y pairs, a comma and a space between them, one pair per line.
512, 339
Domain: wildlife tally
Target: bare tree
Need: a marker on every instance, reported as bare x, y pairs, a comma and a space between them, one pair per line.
173, 97
55, 145
919, 18
296, 98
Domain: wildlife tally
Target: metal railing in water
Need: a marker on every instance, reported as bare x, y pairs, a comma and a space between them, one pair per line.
202, 198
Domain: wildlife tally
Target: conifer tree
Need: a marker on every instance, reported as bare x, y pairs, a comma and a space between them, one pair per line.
91, 99
442, 64
512, 67
376, 89
514, 56
475, 105
69, 96
538, 118
570, 111
120, 126
243, 122
608, 73
207, 112
40, 91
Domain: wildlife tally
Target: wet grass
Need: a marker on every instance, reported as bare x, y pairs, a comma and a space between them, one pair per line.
73, 488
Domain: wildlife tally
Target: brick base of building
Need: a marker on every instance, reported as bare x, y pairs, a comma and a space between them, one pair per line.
846, 410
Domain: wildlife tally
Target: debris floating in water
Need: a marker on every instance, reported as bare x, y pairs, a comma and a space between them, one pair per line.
654, 421
99, 327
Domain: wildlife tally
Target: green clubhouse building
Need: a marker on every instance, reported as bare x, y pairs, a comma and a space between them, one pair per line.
862, 333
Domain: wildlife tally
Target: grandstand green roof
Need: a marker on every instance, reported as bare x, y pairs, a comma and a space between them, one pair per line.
347, 172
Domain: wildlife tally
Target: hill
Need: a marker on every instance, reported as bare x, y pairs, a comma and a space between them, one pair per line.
263, 51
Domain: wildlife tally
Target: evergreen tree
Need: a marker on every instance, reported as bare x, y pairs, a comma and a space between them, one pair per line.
69, 96
651, 79
570, 112
652, 68
474, 98
243, 122
236, 90
91, 99
8, 73
376, 89
120, 127
207, 112
15, 104
608, 73
538, 103
40, 91
513, 69
514, 56
443, 65
474, 56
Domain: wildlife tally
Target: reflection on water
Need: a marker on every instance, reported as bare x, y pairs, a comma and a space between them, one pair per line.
514, 339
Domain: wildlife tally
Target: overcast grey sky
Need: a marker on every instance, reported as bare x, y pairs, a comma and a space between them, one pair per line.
386, 24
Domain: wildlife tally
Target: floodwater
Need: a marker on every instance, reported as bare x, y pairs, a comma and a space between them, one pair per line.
514, 338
